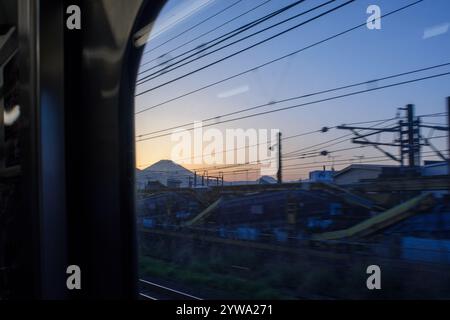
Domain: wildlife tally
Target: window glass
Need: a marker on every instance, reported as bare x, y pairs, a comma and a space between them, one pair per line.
294, 150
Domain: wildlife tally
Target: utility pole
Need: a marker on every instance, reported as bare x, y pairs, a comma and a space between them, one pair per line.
410, 117
413, 138
448, 132
280, 163
410, 139
401, 140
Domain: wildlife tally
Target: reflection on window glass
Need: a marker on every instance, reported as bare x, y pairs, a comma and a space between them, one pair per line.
295, 150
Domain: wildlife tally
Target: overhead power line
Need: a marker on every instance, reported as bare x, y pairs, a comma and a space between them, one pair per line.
245, 49
235, 32
312, 165
316, 102
336, 141
195, 55
194, 26
303, 134
323, 153
256, 145
436, 115
351, 161
300, 97
207, 32
342, 139
313, 153
269, 62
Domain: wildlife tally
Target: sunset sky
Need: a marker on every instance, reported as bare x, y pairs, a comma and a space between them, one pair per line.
415, 38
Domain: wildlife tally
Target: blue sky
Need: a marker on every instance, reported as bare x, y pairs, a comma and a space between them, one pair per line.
358, 56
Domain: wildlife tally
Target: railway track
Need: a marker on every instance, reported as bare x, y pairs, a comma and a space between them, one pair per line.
153, 291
